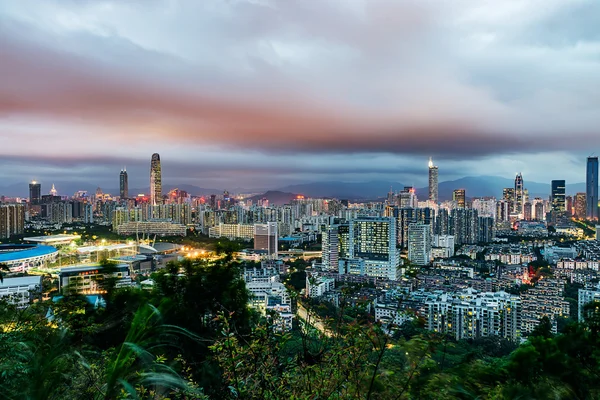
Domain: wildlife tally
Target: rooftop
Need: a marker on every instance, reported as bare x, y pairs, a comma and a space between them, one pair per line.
16, 252
21, 281
52, 238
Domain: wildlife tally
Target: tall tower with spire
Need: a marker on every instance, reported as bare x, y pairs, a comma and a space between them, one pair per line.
433, 182
53, 191
155, 180
123, 184
519, 194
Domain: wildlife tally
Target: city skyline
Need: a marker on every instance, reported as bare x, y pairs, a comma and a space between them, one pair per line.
264, 98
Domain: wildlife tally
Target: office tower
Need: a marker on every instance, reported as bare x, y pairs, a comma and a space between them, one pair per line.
266, 238
123, 184
374, 240
53, 191
12, 220
591, 188
330, 245
540, 215
433, 182
557, 196
459, 196
35, 193
155, 180
579, 206
519, 194
419, 243
527, 211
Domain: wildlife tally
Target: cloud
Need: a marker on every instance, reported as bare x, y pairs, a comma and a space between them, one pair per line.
352, 77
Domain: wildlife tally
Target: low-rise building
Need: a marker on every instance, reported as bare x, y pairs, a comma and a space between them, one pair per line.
21, 291
89, 279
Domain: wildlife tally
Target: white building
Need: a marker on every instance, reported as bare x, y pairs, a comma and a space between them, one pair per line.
21, 291
374, 240
270, 297
419, 243
470, 314
330, 245
232, 231
445, 241
317, 286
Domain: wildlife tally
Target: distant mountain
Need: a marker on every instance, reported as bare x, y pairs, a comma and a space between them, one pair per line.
345, 190
274, 197
475, 186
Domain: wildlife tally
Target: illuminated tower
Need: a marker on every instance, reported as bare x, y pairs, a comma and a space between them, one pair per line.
53, 191
124, 184
519, 194
591, 188
433, 181
35, 193
155, 180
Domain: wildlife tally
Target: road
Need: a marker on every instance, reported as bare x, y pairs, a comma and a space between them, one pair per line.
313, 320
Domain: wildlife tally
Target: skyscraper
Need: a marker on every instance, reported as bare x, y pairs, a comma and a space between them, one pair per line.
155, 180
124, 184
433, 181
35, 193
591, 188
459, 196
558, 196
519, 194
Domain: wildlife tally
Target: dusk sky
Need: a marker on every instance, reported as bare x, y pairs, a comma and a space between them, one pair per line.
265, 93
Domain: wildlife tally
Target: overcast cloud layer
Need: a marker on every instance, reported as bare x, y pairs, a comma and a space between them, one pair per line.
265, 93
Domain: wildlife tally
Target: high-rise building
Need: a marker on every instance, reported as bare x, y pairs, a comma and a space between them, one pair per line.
459, 196
330, 245
155, 180
419, 243
35, 193
123, 184
408, 197
591, 188
527, 211
569, 205
519, 194
266, 238
374, 240
508, 194
433, 182
579, 207
558, 197
12, 220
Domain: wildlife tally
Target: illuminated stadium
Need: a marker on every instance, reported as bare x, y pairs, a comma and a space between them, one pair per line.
20, 257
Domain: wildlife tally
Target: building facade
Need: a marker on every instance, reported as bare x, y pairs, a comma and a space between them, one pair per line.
591, 188
155, 180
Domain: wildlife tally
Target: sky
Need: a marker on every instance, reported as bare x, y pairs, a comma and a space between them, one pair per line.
265, 93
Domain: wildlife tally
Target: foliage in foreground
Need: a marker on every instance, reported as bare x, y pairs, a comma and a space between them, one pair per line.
193, 337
